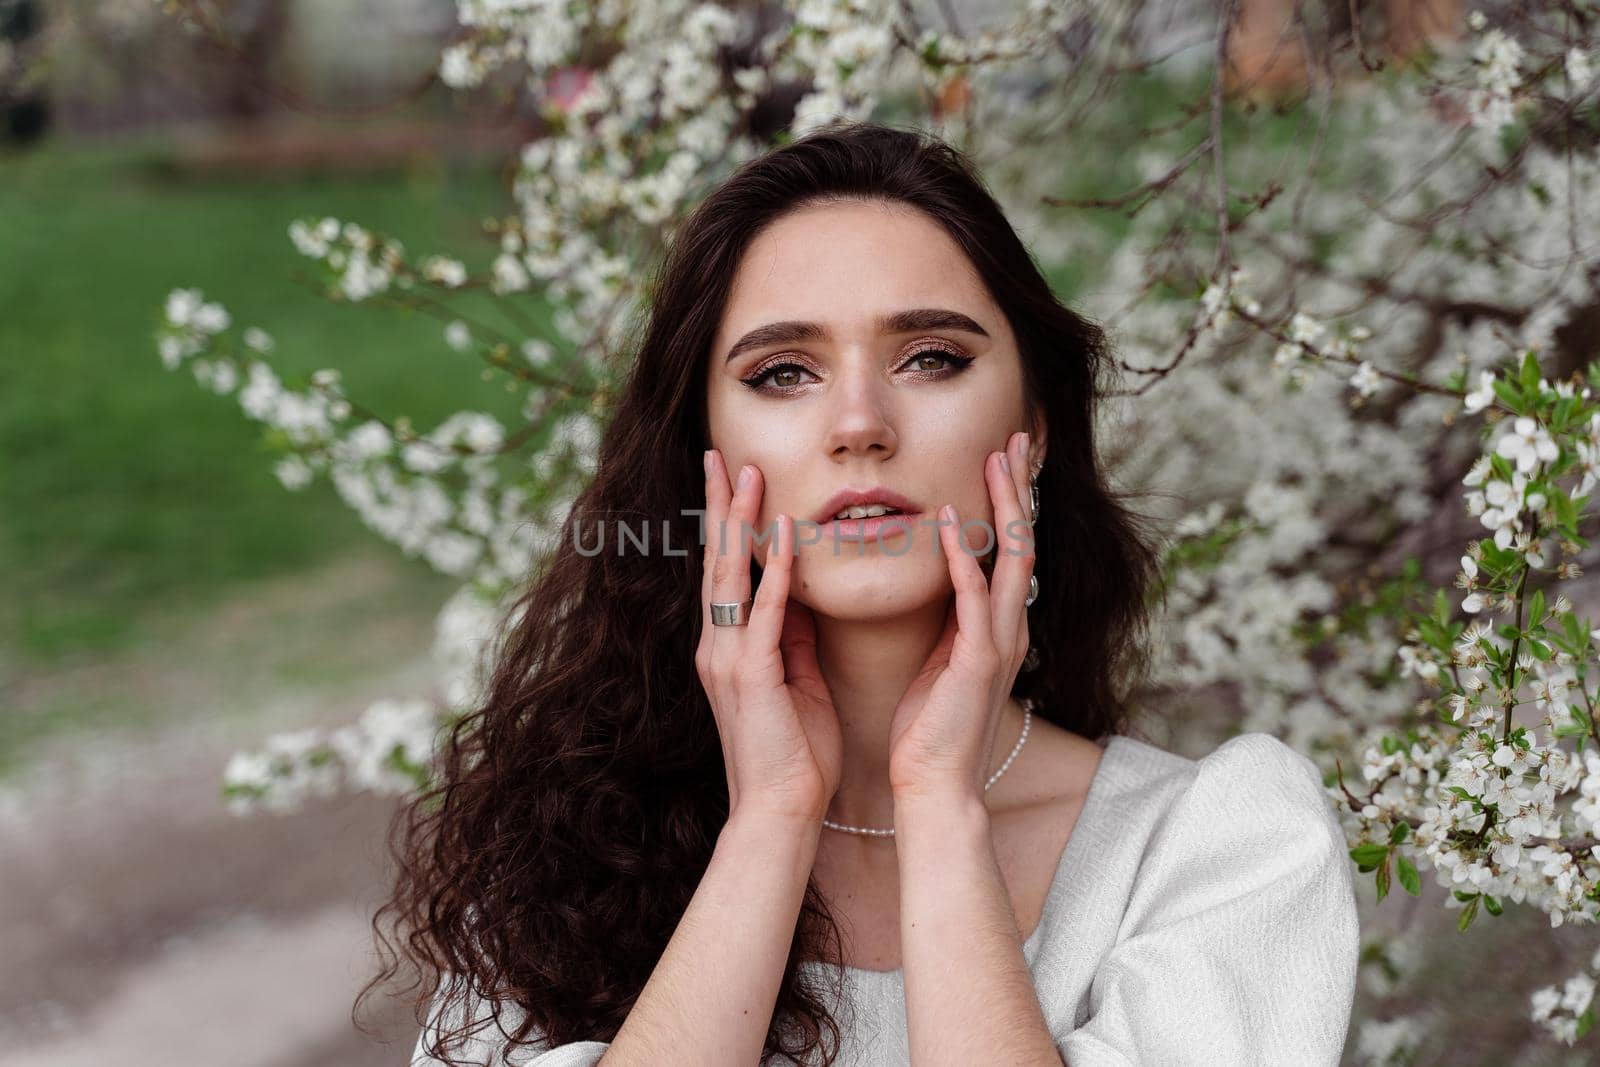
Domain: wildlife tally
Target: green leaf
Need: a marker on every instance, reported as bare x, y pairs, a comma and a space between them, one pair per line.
1369, 855
1408, 875
1563, 411
1586, 1020
1566, 514
1536, 607
1508, 395
1530, 371
1383, 879
1540, 650
1398, 834
1467, 914
1492, 904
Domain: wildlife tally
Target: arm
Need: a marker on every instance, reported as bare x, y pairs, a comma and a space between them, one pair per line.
711, 996
970, 997
1240, 940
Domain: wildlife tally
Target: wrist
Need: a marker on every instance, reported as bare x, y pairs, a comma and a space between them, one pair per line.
764, 819
944, 807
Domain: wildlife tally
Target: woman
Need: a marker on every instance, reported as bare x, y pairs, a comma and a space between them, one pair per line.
856, 786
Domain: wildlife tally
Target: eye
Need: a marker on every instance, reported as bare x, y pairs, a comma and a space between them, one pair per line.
785, 369
947, 363
953, 362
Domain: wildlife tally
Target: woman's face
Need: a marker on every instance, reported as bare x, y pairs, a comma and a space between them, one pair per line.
855, 403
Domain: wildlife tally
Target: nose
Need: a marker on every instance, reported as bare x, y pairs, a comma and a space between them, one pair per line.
861, 418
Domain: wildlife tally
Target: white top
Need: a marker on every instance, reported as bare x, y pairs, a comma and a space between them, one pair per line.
1203, 912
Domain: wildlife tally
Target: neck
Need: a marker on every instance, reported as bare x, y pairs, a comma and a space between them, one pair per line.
868, 664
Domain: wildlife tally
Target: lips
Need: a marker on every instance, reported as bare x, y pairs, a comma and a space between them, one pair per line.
860, 498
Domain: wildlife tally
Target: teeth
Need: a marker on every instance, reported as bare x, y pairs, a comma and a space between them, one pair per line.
870, 511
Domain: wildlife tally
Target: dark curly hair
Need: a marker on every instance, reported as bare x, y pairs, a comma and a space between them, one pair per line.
576, 808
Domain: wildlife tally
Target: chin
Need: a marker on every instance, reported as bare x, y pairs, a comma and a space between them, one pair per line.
868, 586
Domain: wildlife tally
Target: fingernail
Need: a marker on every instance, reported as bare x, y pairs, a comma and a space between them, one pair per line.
1005, 463
948, 513
744, 476
707, 460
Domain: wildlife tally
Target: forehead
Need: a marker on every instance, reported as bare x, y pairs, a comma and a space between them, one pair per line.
846, 263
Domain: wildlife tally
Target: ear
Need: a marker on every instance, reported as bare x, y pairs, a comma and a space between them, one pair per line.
1037, 435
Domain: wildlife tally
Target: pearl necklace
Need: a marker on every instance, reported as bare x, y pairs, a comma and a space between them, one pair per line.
1027, 718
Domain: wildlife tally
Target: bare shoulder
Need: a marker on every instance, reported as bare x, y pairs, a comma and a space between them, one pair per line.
1053, 769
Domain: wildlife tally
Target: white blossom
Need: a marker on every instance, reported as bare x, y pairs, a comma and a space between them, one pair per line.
1579, 69
1527, 444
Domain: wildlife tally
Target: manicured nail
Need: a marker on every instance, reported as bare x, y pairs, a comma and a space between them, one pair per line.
948, 513
707, 460
745, 474
1005, 463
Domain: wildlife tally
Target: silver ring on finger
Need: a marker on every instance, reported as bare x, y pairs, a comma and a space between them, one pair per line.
731, 614
1033, 590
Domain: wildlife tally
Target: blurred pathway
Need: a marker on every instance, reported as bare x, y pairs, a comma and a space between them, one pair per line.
278, 986
143, 924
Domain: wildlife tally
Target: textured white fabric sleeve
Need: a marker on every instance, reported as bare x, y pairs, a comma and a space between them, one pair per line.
1240, 941
486, 1045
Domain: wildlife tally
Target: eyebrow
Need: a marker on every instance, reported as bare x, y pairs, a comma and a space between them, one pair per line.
776, 333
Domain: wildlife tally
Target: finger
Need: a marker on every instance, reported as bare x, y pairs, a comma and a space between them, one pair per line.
718, 493
1008, 588
974, 631
730, 569
1017, 451
798, 644
766, 615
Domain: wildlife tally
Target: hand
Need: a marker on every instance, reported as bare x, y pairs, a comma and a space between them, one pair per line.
781, 742
942, 734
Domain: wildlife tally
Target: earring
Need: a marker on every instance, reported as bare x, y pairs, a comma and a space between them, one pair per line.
1033, 579
1030, 660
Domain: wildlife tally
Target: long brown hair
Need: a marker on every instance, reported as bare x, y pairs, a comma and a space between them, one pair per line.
576, 807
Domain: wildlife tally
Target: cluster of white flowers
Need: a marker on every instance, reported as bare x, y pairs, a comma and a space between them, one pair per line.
307, 419
389, 750
1487, 822
288, 770
191, 323
1568, 1012
362, 264
478, 529
481, 532
1218, 299
1579, 68
1389, 1043
1497, 57
445, 271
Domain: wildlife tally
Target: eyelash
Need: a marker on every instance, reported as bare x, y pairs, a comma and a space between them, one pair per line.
958, 363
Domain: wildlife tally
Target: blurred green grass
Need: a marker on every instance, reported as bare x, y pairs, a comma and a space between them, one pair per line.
127, 490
